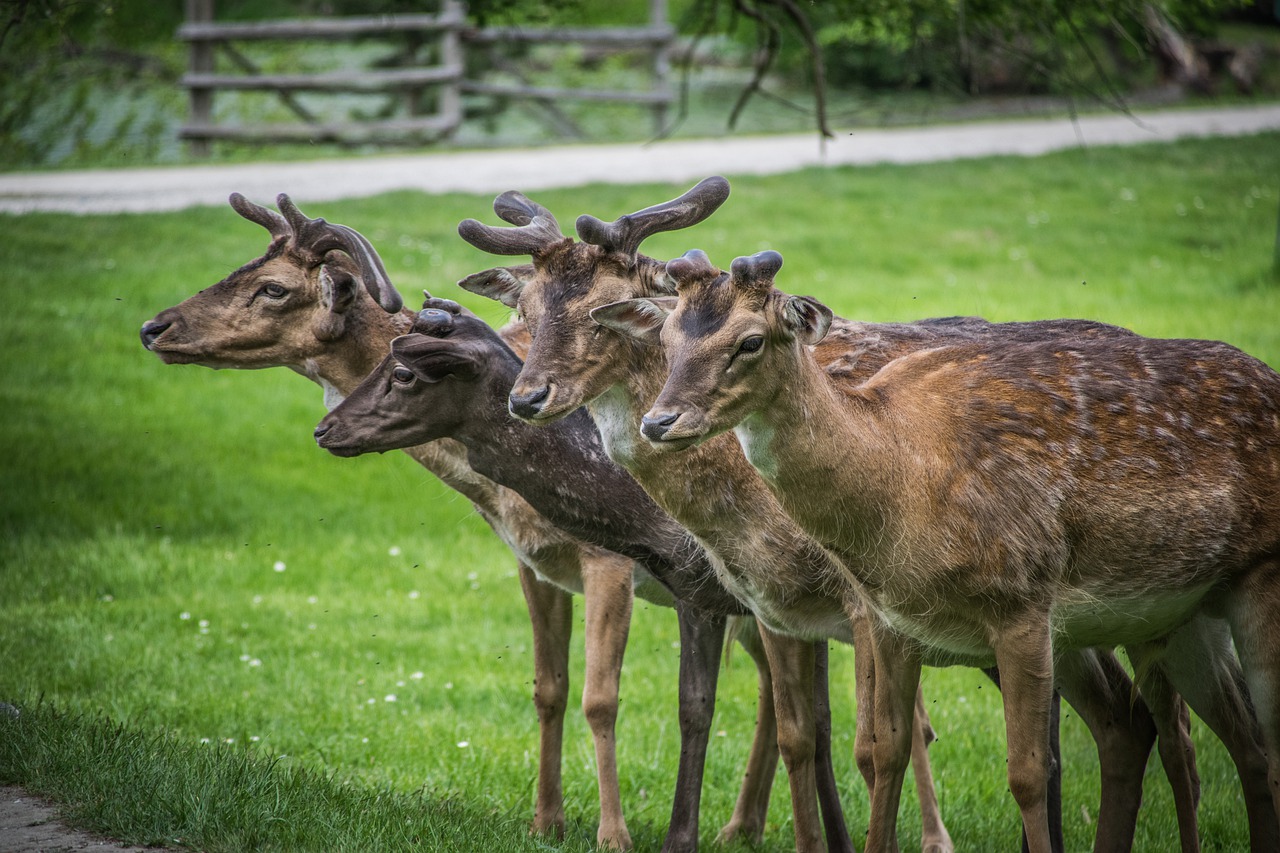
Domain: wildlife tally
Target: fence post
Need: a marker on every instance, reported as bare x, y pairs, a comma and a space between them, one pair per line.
661, 65
450, 103
201, 62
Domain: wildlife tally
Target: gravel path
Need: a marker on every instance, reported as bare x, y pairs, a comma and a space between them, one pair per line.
29, 825
493, 171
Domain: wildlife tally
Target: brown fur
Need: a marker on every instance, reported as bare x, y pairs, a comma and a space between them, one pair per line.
1011, 501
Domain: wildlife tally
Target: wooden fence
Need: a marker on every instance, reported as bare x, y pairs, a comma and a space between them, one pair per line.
445, 78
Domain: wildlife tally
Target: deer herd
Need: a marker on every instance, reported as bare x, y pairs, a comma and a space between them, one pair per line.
1020, 497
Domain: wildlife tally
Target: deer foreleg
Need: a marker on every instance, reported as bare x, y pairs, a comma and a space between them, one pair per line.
752, 808
701, 638
1024, 657
792, 663
897, 678
551, 616
607, 590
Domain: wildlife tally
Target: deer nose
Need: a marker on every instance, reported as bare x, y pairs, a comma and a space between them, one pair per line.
321, 431
656, 428
528, 405
152, 330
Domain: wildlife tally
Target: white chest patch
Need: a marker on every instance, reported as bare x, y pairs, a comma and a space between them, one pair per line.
756, 439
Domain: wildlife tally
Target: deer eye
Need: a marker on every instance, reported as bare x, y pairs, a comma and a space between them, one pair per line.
402, 374
751, 344
275, 291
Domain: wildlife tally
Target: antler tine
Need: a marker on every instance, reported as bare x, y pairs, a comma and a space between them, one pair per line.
756, 272
318, 237
626, 233
518, 209
275, 224
534, 228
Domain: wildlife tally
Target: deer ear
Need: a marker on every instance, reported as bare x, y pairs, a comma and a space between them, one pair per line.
641, 319
433, 359
502, 284
338, 291
808, 318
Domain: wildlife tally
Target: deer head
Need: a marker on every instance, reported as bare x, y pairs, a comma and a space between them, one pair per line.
570, 359
427, 388
720, 342
281, 309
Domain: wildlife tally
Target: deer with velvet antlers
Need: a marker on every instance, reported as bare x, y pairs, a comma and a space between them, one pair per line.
320, 303
1010, 502
564, 295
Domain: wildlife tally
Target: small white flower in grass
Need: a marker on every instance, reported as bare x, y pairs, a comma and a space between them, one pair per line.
400, 684
394, 550
311, 599
255, 662
279, 566
463, 744
311, 627
722, 733
255, 738
417, 676
108, 598
364, 740
372, 702
184, 615
472, 575
413, 594
204, 623
390, 697
448, 685
204, 740
230, 740
257, 599
244, 658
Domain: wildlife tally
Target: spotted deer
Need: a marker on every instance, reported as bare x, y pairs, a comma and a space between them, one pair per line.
577, 359
1010, 501
320, 303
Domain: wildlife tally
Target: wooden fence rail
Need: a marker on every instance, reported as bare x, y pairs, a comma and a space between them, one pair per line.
446, 78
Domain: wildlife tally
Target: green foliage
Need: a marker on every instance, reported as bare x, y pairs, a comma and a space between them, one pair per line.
179, 563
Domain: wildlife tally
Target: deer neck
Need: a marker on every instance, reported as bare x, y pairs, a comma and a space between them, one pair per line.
813, 433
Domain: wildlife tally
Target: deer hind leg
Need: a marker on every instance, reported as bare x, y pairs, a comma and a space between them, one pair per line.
1024, 657
1173, 739
751, 810
1101, 692
934, 835
701, 639
1198, 659
551, 616
607, 588
791, 661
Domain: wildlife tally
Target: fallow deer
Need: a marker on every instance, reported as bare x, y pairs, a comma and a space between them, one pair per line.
451, 378
724, 503
1009, 502
319, 303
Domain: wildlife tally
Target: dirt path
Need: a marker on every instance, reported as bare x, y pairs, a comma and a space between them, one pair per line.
30, 825
175, 188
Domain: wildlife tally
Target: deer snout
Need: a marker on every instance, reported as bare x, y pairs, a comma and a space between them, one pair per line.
151, 330
527, 404
656, 427
321, 431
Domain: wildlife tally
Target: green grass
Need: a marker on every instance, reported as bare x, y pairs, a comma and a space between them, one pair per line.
176, 685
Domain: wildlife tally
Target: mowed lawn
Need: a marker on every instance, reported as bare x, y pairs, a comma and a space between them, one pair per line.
220, 636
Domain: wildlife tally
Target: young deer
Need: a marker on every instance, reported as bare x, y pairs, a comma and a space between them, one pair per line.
1011, 501
309, 304
716, 494
451, 378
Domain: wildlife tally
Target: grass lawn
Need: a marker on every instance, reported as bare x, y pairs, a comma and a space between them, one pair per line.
223, 637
